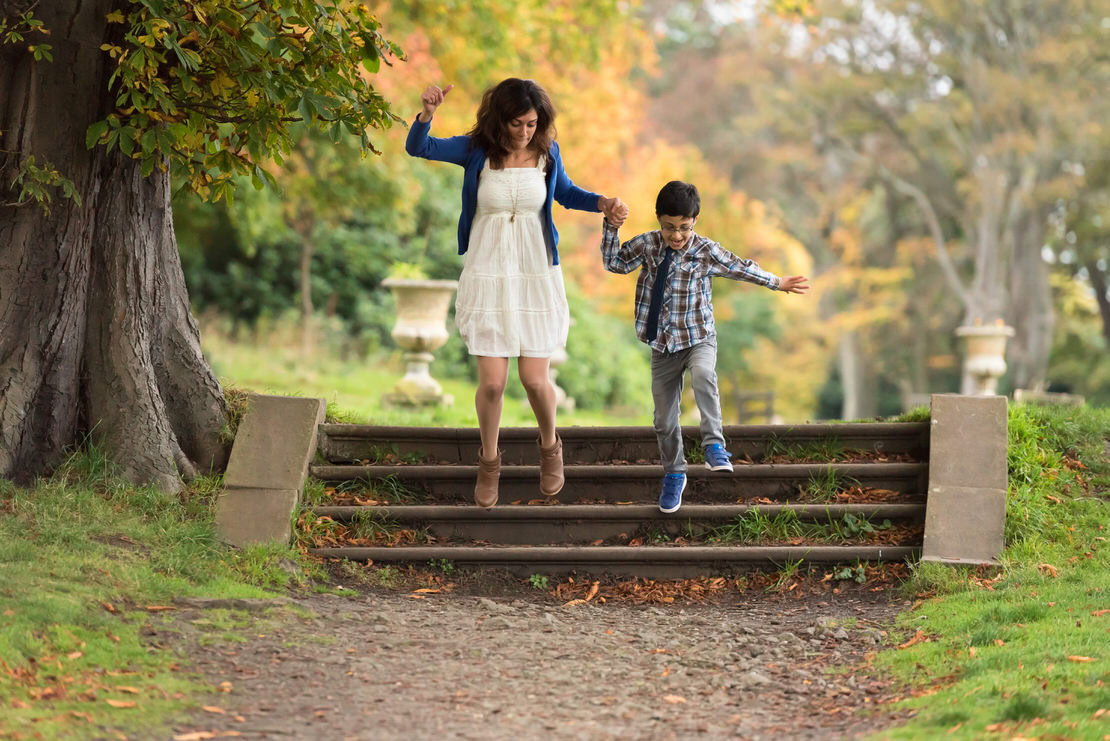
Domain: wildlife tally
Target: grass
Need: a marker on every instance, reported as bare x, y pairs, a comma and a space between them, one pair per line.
353, 387
823, 487
756, 527
1024, 651
82, 557
825, 449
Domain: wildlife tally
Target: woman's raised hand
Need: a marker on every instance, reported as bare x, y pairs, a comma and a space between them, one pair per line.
432, 97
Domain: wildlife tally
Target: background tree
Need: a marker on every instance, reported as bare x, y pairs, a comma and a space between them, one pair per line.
103, 97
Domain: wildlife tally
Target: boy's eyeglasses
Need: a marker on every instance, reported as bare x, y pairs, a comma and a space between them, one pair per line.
687, 229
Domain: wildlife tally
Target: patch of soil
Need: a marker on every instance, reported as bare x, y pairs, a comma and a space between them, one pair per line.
486, 656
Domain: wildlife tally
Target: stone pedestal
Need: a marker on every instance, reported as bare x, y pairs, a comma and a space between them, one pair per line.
984, 357
421, 327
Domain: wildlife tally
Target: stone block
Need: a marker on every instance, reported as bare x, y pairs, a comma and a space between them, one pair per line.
269, 463
247, 516
967, 442
965, 509
275, 443
963, 525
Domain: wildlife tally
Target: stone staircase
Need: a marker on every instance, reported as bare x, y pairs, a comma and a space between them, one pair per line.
831, 493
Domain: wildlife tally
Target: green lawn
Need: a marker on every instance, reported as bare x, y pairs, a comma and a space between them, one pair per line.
1024, 652
83, 559
354, 389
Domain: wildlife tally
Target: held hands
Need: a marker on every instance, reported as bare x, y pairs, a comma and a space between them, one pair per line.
794, 284
615, 210
432, 98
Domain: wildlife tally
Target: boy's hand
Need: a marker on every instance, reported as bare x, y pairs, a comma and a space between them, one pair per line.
616, 211
432, 98
794, 284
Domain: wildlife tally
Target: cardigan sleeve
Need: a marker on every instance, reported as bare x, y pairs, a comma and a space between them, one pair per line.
419, 144
566, 192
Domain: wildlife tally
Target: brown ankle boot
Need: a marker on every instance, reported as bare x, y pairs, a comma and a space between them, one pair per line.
551, 468
489, 472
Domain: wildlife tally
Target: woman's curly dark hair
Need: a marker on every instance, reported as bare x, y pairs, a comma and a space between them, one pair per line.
502, 103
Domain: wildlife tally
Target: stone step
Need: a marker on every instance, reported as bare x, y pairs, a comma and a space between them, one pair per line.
651, 561
341, 443
635, 483
546, 524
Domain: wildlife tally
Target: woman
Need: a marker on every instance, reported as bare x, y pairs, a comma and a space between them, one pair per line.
511, 302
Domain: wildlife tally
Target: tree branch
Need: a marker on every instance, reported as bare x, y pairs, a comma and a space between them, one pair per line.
933, 222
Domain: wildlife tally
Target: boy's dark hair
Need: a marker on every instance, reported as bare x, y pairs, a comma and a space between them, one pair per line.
678, 199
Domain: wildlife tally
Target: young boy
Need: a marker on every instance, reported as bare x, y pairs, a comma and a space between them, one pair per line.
674, 316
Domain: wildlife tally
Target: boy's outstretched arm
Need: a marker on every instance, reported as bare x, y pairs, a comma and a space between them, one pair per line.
728, 265
617, 257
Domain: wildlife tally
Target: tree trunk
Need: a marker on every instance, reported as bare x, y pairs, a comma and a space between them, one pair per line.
857, 378
96, 336
1102, 295
308, 344
1031, 311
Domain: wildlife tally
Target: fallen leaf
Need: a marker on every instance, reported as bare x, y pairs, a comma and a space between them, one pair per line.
574, 602
426, 591
128, 690
599, 541
213, 709
919, 637
1101, 712
999, 642
1080, 659
674, 699
74, 655
159, 608
971, 653
20, 705
109, 606
593, 590
9, 612
1100, 613
1048, 568
122, 703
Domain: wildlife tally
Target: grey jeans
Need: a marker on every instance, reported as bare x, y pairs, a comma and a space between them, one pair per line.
666, 388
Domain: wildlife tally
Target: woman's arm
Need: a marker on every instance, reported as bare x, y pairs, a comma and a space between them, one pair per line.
567, 193
420, 144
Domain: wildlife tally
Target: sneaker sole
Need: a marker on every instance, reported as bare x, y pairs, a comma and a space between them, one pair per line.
719, 468
677, 506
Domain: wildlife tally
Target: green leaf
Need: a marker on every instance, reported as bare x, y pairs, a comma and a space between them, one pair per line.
127, 140
94, 132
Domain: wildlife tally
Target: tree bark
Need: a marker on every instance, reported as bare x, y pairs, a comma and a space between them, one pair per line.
96, 336
857, 378
1031, 311
1099, 283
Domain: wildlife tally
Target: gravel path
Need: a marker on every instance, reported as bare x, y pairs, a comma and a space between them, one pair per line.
450, 666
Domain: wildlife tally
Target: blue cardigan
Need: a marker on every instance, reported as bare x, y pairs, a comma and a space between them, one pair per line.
458, 149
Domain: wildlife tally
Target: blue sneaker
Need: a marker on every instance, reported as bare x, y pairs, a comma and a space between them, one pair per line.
671, 498
717, 458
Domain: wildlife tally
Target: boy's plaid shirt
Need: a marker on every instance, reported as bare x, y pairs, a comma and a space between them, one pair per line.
686, 317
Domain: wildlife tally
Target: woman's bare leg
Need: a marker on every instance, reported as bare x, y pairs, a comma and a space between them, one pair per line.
541, 395
493, 373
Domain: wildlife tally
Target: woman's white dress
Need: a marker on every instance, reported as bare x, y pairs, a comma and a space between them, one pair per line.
511, 300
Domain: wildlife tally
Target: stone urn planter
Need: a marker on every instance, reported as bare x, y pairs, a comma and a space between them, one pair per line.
421, 328
984, 357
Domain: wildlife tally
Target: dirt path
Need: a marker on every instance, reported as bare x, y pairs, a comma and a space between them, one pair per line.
454, 666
